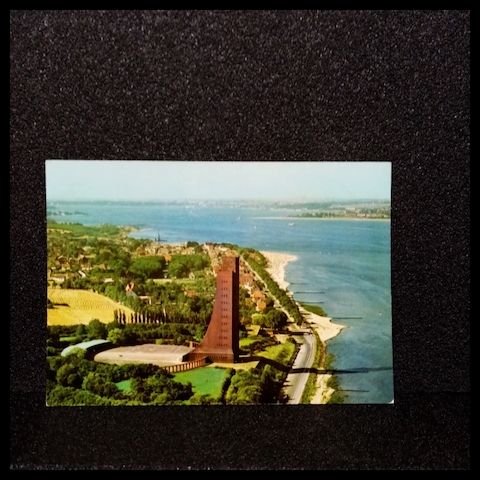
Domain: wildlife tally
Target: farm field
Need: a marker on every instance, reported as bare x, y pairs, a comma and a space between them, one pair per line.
80, 306
204, 380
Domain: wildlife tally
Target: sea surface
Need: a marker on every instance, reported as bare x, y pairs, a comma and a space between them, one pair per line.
343, 265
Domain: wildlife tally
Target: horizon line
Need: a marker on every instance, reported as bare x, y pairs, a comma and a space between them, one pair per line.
276, 200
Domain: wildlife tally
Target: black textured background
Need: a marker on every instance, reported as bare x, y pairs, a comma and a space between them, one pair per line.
255, 86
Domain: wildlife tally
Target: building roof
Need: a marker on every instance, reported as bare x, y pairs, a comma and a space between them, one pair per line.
84, 346
161, 355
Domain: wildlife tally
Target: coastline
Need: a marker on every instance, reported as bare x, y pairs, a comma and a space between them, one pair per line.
278, 262
349, 219
324, 326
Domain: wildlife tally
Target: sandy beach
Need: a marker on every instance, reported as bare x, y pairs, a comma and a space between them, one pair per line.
324, 326
323, 392
326, 330
278, 262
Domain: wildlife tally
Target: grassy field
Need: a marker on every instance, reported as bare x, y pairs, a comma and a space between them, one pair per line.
280, 353
81, 306
204, 380
236, 366
81, 230
245, 342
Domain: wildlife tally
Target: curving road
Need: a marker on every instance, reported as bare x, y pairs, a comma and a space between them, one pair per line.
296, 380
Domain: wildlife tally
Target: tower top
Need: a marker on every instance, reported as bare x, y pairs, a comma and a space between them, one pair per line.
230, 263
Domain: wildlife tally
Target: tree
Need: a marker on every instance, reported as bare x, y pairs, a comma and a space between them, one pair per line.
199, 332
68, 376
148, 266
121, 264
98, 384
120, 336
96, 330
276, 319
81, 331
182, 265
273, 318
76, 353
245, 388
198, 399
160, 389
72, 396
114, 324
259, 319
53, 364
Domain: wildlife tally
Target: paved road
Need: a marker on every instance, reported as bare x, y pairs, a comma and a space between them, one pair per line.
296, 381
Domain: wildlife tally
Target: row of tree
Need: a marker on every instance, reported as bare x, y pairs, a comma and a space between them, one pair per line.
176, 333
142, 316
159, 314
258, 263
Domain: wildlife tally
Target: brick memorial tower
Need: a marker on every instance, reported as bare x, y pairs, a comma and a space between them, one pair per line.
220, 342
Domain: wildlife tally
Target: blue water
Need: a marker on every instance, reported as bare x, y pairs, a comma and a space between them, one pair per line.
348, 261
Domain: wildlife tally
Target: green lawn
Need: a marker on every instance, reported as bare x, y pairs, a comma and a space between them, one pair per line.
204, 380
124, 385
245, 342
280, 353
255, 343
69, 339
253, 330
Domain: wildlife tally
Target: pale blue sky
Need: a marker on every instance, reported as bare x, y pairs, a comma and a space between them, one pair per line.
142, 180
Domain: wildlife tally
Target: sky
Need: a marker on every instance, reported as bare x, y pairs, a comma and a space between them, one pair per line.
163, 180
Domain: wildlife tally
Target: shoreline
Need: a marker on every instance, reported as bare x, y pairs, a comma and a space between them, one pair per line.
278, 262
324, 326
349, 219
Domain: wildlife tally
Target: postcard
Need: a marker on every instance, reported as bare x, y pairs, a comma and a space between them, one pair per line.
223, 283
